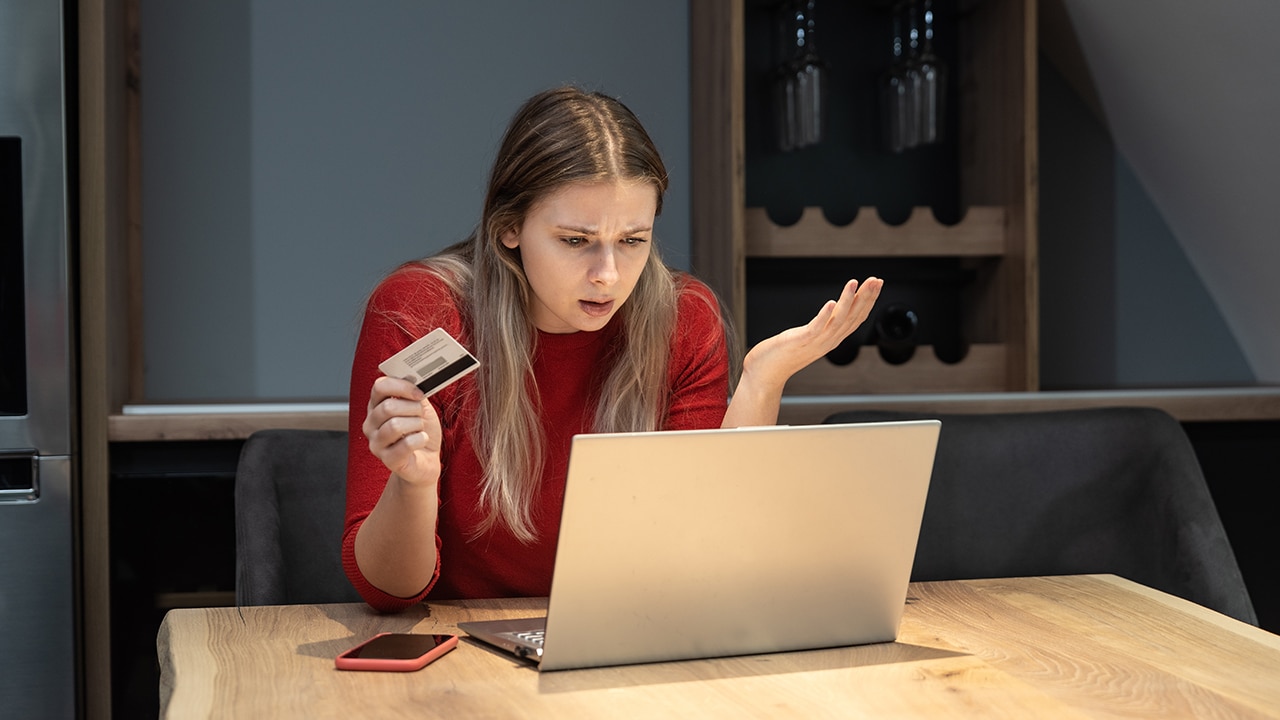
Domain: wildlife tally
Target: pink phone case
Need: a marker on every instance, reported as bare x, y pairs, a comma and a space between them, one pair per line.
350, 660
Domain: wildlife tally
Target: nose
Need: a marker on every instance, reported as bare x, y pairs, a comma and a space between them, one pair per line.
604, 266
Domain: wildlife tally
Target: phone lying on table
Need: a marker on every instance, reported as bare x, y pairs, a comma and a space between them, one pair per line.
396, 652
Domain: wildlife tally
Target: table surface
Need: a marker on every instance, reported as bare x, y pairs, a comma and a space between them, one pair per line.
1093, 646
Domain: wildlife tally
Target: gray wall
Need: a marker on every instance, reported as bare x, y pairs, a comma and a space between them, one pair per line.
1190, 91
1121, 304
295, 152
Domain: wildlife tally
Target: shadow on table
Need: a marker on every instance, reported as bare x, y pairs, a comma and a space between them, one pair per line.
842, 658
364, 625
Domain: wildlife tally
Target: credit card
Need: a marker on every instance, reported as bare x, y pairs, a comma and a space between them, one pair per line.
432, 362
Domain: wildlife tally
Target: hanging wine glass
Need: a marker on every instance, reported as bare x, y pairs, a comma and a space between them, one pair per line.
911, 70
930, 80
800, 80
896, 93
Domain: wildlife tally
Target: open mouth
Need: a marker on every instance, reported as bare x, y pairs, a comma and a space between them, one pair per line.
596, 308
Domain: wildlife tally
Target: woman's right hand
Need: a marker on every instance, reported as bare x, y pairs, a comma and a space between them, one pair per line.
403, 430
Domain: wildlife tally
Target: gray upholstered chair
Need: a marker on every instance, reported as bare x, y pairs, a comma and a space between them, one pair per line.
1114, 490
290, 496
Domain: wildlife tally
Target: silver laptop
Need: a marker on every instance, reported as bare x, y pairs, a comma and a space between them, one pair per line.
712, 543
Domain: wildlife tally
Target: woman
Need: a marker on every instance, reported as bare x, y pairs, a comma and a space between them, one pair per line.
578, 326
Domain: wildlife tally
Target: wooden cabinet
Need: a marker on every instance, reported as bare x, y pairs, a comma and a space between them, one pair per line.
736, 248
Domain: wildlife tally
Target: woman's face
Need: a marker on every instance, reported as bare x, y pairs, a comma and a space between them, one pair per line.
583, 248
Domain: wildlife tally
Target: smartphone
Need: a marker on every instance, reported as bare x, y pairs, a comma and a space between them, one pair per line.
396, 652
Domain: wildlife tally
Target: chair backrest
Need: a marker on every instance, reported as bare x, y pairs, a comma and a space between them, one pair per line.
1108, 490
290, 496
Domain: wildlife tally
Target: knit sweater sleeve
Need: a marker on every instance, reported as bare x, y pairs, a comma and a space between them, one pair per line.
699, 364
407, 304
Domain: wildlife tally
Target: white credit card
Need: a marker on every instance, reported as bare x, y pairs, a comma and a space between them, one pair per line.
433, 362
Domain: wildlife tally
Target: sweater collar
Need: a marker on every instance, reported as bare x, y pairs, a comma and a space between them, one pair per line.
553, 343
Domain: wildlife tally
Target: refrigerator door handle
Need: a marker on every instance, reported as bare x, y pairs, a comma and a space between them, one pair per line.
19, 477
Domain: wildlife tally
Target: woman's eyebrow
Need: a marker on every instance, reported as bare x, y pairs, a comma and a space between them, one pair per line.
583, 230
586, 230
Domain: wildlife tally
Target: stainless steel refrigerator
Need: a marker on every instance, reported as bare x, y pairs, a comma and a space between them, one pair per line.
38, 634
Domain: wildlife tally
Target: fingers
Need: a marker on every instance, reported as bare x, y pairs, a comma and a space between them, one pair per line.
395, 429
389, 387
391, 397
839, 318
843, 319
822, 320
775, 359
399, 422
860, 301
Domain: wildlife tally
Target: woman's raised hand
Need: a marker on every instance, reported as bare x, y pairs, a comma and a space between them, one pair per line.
774, 360
403, 430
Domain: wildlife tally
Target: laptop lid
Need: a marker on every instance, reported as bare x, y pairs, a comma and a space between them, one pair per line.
709, 543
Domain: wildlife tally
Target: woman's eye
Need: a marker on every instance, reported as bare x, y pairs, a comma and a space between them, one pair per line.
575, 241
633, 241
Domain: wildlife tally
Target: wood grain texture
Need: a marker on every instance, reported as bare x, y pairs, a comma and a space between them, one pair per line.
1111, 648
1084, 646
102, 339
218, 426
980, 233
998, 160
716, 149
981, 370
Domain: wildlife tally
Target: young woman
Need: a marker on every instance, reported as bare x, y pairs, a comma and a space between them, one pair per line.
578, 326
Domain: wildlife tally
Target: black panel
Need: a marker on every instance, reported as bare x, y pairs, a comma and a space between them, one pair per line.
787, 292
13, 327
850, 168
172, 510
17, 473
1239, 460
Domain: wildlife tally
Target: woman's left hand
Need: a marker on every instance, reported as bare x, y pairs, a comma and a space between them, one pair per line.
774, 360
768, 365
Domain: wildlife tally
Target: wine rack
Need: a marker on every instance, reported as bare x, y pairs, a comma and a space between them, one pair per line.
977, 219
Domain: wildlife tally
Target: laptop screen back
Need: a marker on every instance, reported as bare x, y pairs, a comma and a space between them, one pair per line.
709, 543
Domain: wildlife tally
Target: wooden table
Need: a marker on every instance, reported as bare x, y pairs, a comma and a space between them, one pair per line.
1060, 647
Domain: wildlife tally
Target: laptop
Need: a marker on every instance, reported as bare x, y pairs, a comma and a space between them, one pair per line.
679, 545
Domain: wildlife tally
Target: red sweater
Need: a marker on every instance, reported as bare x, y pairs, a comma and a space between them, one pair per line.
567, 369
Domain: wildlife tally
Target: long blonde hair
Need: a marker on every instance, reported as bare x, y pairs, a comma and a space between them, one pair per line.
559, 136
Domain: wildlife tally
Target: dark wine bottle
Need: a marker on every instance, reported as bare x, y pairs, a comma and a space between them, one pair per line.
896, 333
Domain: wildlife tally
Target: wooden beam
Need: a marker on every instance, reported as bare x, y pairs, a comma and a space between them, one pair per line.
103, 373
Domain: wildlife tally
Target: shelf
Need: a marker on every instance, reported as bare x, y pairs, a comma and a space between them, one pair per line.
986, 167
980, 234
1231, 404
196, 599
220, 422
983, 369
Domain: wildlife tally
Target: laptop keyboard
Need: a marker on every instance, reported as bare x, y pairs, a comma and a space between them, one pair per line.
532, 637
